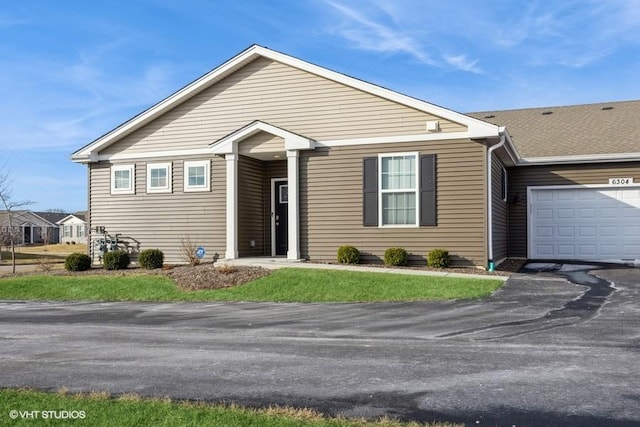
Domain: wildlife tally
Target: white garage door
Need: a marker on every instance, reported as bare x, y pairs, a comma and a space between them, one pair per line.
584, 223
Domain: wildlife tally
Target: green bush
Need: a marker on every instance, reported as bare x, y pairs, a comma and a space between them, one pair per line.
348, 255
438, 258
116, 260
151, 258
395, 257
77, 262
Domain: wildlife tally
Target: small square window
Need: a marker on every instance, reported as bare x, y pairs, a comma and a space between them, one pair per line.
197, 175
122, 179
284, 194
158, 177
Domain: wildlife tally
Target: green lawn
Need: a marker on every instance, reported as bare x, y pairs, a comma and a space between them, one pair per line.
17, 409
284, 285
29, 258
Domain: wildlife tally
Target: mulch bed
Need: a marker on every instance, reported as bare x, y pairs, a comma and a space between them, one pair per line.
206, 276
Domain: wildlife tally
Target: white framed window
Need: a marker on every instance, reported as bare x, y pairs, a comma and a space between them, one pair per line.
197, 175
80, 231
67, 231
398, 188
159, 177
122, 179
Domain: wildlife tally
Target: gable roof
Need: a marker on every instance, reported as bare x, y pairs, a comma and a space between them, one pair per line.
88, 153
608, 131
51, 217
71, 216
26, 217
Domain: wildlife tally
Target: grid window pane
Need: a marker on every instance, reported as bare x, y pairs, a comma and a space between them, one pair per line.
158, 178
398, 208
398, 173
196, 176
122, 178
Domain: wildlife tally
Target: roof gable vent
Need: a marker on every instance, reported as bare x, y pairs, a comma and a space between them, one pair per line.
546, 113
607, 107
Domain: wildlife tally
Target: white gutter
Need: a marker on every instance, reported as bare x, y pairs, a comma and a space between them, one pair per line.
491, 265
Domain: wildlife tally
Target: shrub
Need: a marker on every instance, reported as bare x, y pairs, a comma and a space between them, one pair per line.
116, 260
348, 255
438, 258
395, 257
77, 262
151, 258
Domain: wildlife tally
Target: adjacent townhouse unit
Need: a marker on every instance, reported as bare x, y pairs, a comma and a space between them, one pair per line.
269, 155
73, 228
31, 227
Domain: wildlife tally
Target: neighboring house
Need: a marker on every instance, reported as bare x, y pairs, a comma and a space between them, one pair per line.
31, 227
73, 228
268, 155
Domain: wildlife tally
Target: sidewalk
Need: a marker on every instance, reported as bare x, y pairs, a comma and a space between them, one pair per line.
274, 263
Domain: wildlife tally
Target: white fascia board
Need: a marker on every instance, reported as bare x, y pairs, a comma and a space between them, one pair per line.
67, 218
476, 128
292, 141
397, 139
591, 158
155, 154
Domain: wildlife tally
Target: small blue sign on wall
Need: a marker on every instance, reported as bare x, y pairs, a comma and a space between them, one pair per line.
200, 252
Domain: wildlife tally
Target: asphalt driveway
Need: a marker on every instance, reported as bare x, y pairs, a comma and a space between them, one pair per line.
540, 351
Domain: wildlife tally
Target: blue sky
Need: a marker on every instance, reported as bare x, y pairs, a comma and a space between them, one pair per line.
73, 70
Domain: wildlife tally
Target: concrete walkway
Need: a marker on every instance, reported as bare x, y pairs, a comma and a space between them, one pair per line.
274, 263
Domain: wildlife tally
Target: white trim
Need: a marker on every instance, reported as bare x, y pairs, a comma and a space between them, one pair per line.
589, 158
293, 227
273, 213
167, 188
531, 188
154, 154
416, 190
207, 175
131, 189
292, 141
232, 206
88, 153
397, 139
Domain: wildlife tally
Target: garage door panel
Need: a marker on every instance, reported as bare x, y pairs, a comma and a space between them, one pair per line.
585, 223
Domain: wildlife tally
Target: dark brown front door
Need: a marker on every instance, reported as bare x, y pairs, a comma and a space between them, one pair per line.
281, 198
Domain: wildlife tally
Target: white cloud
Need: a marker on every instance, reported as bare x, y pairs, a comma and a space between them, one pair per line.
461, 62
375, 36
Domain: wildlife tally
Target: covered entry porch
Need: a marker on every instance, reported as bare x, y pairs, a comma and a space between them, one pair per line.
262, 190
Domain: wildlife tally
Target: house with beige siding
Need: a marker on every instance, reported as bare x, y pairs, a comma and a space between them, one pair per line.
269, 155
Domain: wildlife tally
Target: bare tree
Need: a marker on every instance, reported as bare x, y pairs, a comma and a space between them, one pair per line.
10, 206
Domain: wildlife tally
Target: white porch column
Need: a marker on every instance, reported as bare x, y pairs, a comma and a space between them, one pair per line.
293, 252
232, 206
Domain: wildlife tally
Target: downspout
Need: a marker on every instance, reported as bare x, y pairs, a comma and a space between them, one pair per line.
491, 266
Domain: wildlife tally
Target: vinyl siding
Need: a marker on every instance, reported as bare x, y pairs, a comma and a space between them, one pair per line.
262, 142
283, 96
331, 204
499, 212
521, 177
250, 206
161, 220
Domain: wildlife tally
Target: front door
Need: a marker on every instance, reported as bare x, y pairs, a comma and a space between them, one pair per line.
281, 211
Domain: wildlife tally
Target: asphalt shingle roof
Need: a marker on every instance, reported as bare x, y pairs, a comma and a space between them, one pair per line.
574, 130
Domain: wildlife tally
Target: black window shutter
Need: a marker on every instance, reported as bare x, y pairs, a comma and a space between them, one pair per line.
428, 189
370, 191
